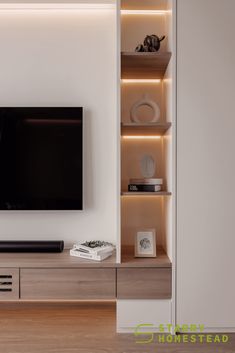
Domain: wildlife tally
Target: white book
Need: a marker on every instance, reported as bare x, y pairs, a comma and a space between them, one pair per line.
77, 253
95, 251
153, 181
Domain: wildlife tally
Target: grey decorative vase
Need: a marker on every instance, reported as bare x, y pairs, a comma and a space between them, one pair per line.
147, 166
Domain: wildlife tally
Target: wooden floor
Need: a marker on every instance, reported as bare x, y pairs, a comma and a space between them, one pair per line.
86, 328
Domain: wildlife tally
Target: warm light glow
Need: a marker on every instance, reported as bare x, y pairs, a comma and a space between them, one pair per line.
141, 137
55, 6
167, 80
144, 12
145, 80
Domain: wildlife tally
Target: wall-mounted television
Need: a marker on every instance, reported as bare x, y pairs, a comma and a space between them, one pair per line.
41, 158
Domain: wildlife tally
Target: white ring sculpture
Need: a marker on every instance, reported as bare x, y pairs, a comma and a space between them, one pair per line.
145, 101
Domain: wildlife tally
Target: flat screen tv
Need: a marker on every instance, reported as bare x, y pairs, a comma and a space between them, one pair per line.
41, 158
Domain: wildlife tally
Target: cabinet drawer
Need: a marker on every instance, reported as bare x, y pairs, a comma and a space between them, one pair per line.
68, 284
9, 283
144, 283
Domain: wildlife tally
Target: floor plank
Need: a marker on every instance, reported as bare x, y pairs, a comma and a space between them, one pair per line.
80, 328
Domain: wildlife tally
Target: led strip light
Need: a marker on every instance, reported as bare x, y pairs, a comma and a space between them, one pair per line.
127, 137
141, 80
144, 12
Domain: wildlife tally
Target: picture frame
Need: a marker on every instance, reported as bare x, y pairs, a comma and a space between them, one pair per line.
145, 243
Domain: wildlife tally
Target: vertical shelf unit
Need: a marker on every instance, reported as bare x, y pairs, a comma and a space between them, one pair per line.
152, 74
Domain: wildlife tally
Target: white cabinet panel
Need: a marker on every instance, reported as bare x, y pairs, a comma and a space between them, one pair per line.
131, 313
206, 165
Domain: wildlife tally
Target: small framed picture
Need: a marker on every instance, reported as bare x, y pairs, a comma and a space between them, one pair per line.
145, 243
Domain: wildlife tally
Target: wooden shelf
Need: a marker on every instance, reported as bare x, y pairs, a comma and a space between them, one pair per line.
140, 193
128, 259
135, 129
44, 260
64, 260
144, 65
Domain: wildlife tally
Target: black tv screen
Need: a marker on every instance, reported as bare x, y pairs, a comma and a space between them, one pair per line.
41, 159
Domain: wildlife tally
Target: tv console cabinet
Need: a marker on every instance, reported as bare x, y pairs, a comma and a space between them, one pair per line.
39, 277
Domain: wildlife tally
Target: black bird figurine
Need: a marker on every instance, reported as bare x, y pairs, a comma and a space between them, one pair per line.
151, 43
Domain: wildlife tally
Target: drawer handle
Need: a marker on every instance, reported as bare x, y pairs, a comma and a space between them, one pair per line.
5, 283
5, 276
5, 289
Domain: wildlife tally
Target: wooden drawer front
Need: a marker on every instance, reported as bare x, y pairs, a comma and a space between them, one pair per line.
144, 283
9, 283
68, 284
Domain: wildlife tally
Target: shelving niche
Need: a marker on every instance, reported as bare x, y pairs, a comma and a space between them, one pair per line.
152, 74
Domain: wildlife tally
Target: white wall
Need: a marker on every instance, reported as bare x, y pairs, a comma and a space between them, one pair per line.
66, 58
58, 2
205, 163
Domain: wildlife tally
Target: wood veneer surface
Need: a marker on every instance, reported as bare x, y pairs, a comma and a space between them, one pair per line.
60, 260
84, 328
129, 260
64, 260
145, 4
136, 129
68, 284
142, 283
144, 65
9, 286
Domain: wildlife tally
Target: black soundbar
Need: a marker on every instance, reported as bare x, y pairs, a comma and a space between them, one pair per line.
32, 246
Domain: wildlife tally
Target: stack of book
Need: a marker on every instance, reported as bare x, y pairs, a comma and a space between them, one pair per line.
93, 250
145, 185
